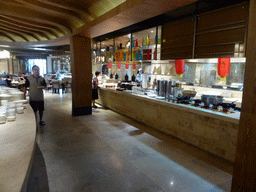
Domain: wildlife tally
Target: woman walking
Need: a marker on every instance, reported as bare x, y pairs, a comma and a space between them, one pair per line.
95, 84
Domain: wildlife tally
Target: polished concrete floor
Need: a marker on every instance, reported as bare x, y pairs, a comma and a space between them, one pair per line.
106, 151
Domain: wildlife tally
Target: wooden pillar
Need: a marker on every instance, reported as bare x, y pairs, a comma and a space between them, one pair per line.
244, 175
80, 48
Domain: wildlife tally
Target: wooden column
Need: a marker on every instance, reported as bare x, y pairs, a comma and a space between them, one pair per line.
80, 48
244, 175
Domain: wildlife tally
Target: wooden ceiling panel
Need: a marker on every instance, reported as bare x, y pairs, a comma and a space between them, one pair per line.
32, 24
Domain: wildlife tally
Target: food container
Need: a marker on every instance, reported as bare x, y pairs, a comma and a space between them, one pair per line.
189, 93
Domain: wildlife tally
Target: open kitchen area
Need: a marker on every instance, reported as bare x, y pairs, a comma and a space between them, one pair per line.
184, 78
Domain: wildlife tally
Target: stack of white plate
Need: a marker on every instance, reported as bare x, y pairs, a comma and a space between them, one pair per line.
11, 112
11, 118
21, 101
2, 118
11, 105
3, 114
17, 95
20, 110
5, 97
4, 103
18, 105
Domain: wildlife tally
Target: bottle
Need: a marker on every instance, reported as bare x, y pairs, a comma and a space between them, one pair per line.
156, 39
133, 77
111, 76
159, 40
140, 54
116, 76
124, 56
132, 42
133, 55
121, 45
137, 56
155, 55
126, 78
136, 43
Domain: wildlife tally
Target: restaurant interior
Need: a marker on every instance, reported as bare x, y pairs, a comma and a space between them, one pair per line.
176, 99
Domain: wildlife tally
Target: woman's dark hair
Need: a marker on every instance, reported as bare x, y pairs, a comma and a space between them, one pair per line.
97, 73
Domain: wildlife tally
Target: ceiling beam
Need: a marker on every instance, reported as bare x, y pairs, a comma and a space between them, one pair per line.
19, 33
54, 11
25, 13
33, 25
62, 4
16, 26
7, 35
36, 35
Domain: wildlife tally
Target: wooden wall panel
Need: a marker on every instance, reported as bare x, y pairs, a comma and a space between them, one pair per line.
218, 32
224, 16
177, 39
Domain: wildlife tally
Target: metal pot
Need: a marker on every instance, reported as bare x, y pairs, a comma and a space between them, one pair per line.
211, 99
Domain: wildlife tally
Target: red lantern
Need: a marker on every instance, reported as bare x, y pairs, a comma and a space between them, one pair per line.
126, 66
133, 67
118, 65
223, 67
109, 65
180, 67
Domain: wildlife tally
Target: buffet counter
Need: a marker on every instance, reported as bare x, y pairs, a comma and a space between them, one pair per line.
213, 131
17, 148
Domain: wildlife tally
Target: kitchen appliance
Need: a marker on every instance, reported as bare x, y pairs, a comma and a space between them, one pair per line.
158, 87
170, 89
162, 88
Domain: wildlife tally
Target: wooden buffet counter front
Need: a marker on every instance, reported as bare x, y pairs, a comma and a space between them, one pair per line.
212, 131
17, 145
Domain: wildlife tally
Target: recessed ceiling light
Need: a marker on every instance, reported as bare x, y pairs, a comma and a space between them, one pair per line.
152, 31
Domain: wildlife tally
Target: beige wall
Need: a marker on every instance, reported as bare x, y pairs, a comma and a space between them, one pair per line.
4, 65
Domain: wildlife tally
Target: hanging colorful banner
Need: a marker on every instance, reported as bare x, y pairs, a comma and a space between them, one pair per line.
223, 67
180, 67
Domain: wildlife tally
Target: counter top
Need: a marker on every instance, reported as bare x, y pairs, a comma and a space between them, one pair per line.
17, 148
232, 117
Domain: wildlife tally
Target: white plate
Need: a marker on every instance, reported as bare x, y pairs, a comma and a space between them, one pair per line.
2, 122
11, 118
